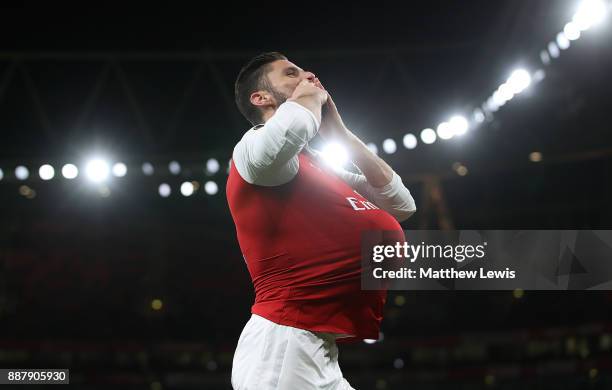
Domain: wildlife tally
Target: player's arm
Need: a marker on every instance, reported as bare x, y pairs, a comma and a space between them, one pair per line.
379, 183
393, 197
268, 156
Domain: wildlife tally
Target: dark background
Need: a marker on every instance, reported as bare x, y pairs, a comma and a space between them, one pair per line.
78, 271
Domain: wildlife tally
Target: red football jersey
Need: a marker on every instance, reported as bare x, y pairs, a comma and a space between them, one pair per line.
302, 245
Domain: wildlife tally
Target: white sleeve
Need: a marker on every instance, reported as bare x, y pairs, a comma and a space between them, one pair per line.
268, 156
394, 197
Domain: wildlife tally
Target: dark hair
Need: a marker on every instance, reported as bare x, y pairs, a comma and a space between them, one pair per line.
252, 77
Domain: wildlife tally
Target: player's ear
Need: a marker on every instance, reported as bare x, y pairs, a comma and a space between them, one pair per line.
261, 98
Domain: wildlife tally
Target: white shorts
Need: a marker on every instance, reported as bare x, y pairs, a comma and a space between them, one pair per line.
270, 356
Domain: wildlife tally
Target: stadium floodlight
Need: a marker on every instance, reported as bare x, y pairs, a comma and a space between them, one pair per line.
212, 165
519, 80
97, 170
562, 41
545, 57
147, 169
479, 116
334, 154
22, 173
506, 92
539, 75
398, 363
389, 146
174, 167
70, 171
571, 31
46, 172
498, 99
211, 187
445, 131
459, 125
164, 190
428, 136
553, 50
492, 104
373, 148
589, 13
410, 141
187, 188
119, 169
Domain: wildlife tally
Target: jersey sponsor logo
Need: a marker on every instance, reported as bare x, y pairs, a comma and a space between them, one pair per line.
360, 205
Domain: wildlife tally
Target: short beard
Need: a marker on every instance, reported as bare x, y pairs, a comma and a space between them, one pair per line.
279, 97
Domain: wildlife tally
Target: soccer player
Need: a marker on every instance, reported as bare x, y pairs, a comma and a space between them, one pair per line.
299, 224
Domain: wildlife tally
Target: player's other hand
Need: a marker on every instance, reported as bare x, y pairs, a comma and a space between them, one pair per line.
308, 89
332, 126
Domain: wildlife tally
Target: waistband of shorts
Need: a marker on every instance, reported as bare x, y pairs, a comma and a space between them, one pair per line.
324, 335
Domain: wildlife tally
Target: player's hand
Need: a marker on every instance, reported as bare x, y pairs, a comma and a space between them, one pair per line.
332, 126
308, 89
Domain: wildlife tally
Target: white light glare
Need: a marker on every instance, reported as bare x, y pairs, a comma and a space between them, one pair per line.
211, 188
459, 125
22, 172
147, 169
506, 92
46, 172
212, 165
571, 31
589, 13
479, 116
562, 41
445, 130
410, 141
553, 50
498, 99
544, 57
492, 104
164, 190
389, 146
97, 170
1, 174
70, 171
334, 155
119, 169
428, 136
539, 75
174, 167
187, 188
519, 80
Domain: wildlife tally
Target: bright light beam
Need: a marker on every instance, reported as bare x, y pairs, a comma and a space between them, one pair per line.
519, 80
97, 170
334, 155
459, 125
589, 13
46, 172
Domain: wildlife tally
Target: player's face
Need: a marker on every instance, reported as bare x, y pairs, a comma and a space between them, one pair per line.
284, 76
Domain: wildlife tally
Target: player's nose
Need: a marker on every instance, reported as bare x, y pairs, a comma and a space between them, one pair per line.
310, 76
